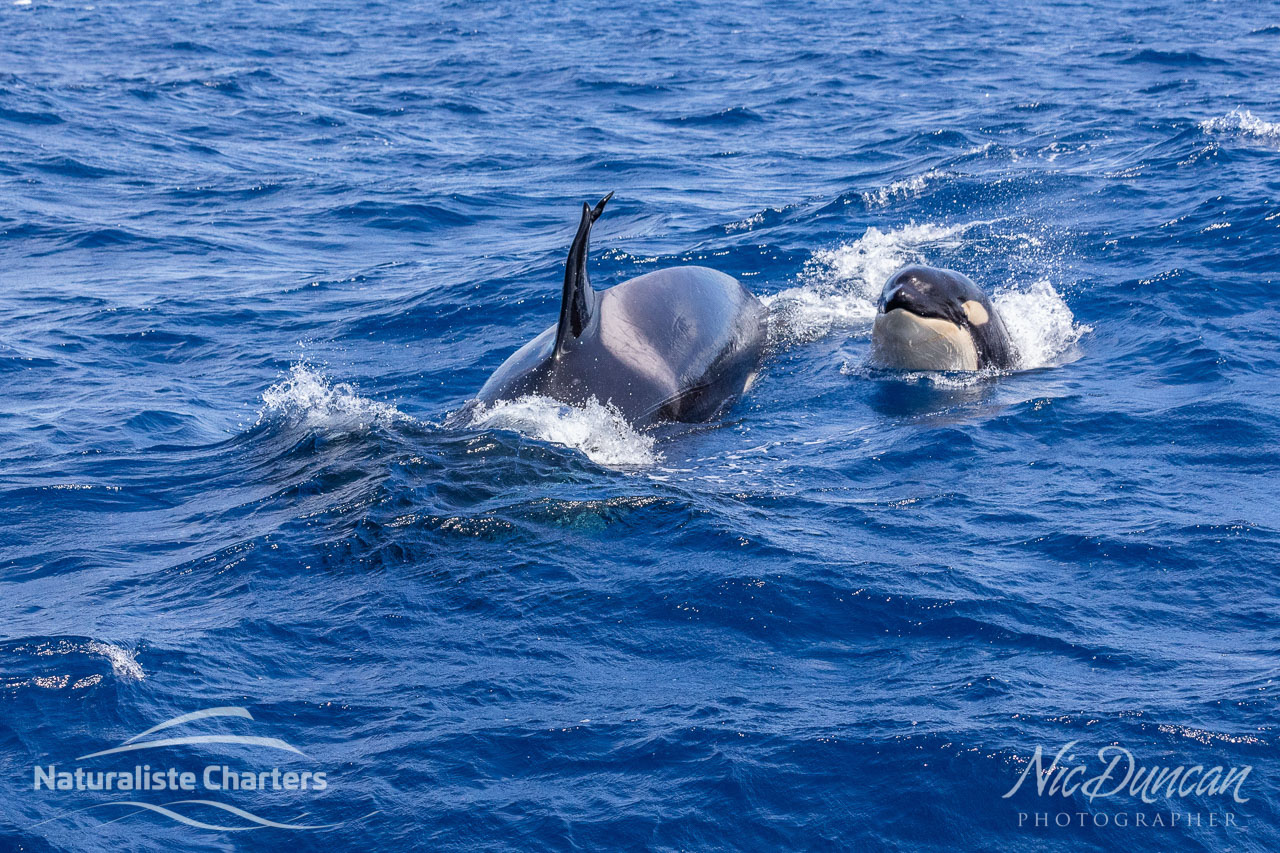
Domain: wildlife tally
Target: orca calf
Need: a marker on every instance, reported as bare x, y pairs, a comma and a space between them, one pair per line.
678, 344
933, 319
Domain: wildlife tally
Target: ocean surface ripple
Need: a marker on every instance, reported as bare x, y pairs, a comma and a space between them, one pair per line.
255, 258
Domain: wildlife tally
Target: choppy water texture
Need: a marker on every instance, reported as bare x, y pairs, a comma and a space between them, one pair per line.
253, 255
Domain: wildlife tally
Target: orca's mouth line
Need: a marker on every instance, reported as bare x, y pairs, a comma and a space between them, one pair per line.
918, 314
895, 303
898, 313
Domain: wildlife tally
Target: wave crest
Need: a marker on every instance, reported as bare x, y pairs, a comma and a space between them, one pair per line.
1245, 122
902, 189
598, 430
307, 397
124, 663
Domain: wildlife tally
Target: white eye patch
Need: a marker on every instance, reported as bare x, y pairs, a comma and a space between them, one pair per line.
975, 312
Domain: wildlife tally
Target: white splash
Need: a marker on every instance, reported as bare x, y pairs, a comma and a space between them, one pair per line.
123, 662
906, 188
598, 430
745, 224
1242, 121
839, 287
1041, 325
308, 397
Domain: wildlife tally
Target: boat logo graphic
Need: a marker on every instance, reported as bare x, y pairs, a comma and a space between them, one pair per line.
187, 793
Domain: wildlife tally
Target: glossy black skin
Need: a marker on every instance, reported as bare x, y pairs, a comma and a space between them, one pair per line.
931, 292
677, 344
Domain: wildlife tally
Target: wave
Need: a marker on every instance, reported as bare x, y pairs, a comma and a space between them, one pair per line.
403, 216
903, 189
596, 429
307, 398
1244, 122
124, 663
27, 117
1173, 58
731, 117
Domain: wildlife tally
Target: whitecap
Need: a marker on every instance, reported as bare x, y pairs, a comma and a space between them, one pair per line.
597, 430
307, 397
905, 188
744, 224
123, 662
1245, 122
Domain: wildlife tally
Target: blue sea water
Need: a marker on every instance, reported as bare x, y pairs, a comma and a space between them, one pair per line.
252, 255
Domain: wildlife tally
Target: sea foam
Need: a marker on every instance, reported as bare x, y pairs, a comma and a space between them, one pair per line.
1041, 325
307, 397
1243, 122
123, 662
597, 430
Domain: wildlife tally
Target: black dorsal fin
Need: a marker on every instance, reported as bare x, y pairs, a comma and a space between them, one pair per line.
578, 303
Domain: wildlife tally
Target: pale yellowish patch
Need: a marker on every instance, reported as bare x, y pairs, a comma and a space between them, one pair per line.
975, 312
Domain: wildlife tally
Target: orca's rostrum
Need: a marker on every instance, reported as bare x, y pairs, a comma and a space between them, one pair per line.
678, 344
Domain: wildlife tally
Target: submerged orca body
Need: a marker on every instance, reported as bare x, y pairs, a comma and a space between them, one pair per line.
934, 319
676, 344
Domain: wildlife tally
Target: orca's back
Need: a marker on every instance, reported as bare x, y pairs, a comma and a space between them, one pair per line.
685, 341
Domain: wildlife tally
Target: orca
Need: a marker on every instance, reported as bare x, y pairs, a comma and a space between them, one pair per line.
676, 344
936, 319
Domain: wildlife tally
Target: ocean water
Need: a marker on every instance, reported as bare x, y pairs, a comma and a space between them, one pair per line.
253, 255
